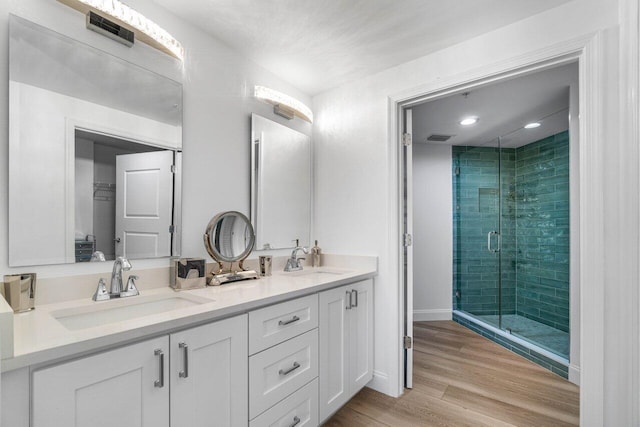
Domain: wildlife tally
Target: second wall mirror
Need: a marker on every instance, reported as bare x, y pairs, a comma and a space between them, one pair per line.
280, 185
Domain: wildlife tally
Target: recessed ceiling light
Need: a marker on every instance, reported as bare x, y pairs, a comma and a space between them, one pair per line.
532, 125
468, 121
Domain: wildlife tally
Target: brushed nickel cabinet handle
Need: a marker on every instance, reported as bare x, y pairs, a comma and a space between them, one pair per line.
185, 348
356, 294
296, 421
295, 366
287, 322
159, 383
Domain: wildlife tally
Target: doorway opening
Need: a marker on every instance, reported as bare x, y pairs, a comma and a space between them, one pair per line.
490, 188
124, 198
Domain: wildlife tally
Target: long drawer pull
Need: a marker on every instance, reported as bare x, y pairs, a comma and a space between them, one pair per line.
185, 348
295, 366
287, 322
296, 421
356, 294
159, 383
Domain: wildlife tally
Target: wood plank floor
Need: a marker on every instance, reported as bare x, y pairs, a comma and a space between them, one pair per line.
463, 379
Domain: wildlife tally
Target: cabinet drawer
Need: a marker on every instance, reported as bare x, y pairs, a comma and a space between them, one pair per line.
279, 371
299, 409
277, 323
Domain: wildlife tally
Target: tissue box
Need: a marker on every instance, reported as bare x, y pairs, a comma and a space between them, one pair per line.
187, 273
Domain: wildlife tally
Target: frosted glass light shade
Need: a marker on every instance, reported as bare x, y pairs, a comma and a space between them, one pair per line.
145, 30
284, 101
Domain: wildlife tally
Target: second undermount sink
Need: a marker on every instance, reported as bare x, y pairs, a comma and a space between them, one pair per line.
103, 313
310, 271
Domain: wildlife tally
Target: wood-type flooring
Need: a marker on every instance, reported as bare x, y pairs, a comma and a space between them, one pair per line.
463, 379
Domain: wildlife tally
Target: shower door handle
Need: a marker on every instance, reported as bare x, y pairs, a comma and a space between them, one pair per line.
489, 248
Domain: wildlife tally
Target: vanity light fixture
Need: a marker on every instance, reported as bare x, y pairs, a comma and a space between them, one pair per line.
468, 121
284, 105
145, 30
532, 125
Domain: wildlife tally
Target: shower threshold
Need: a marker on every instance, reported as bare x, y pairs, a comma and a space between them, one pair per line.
537, 354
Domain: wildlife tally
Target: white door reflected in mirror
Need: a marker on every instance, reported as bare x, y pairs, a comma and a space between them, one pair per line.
144, 202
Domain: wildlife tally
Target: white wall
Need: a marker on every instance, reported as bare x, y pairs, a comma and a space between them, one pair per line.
432, 231
356, 208
218, 102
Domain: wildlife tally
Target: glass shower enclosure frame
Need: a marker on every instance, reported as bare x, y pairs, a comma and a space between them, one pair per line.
511, 238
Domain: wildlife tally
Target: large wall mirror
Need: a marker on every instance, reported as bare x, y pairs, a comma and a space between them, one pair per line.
94, 153
280, 185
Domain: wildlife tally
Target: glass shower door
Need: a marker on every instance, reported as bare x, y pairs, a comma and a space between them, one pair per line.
477, 225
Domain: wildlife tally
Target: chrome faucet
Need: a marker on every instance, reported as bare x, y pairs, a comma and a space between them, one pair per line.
119, 265
117, 289
293, 263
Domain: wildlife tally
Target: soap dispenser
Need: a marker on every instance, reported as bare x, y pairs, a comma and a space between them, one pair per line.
315, 255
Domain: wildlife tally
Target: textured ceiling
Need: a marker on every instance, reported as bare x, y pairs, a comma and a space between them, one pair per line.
319, 44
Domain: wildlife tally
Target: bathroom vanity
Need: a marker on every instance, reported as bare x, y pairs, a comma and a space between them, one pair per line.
289, 348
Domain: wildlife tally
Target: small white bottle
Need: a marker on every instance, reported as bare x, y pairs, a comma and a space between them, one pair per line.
315, 255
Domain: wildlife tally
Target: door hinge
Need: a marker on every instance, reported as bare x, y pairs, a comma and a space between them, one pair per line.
406, 139
407, 240
172, 229
173, 168
407, 342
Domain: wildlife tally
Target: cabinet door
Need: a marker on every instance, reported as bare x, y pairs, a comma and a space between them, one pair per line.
125, 387
209, 375
361, 335
333, 350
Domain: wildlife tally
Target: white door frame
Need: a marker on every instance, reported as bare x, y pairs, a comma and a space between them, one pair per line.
590, 53
406, 168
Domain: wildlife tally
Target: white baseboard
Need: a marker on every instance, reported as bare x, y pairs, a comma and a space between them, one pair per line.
574, 374
432, 314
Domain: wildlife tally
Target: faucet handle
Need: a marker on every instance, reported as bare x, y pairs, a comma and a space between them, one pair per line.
131, 288
101, 292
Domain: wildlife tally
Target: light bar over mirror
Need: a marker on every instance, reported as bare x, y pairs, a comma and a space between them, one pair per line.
284, 105
145, 30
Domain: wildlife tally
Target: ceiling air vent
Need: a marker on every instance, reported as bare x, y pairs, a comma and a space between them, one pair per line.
110, 29
439, 138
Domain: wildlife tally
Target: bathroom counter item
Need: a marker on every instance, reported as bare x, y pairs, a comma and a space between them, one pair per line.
39, 337
315, 255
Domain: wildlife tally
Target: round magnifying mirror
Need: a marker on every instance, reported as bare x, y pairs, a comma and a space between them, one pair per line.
229, 237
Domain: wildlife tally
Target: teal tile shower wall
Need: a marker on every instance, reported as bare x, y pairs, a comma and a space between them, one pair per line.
475, 213
542, 231
534, 259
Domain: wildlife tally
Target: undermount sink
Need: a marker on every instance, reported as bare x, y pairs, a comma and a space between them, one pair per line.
102, 313
319, 270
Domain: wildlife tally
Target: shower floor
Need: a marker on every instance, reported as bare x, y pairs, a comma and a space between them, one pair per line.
547, 337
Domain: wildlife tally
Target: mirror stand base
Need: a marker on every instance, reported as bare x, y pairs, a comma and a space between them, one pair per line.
221, 279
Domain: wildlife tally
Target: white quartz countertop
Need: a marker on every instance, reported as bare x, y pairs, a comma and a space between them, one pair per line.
40, 338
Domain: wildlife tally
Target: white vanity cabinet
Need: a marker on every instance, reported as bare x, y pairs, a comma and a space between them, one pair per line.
346, 344
125, 387
291, 363
196, 377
